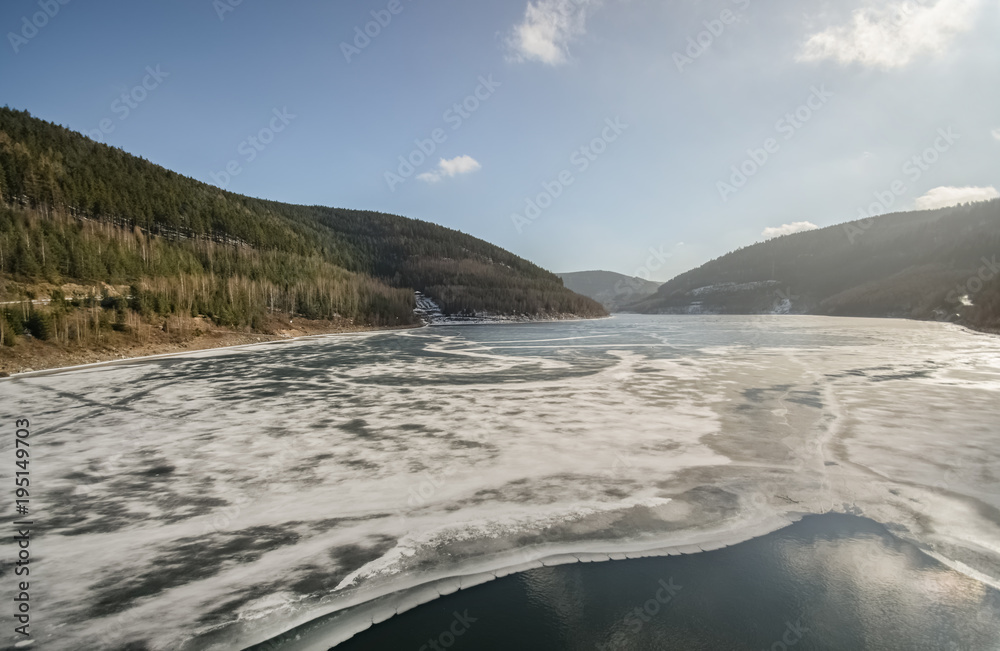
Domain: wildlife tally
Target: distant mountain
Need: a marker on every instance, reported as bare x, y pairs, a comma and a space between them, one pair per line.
103, 228
610, 289
937, 264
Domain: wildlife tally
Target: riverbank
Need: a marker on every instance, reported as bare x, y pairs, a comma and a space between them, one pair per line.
981, 330
33, 355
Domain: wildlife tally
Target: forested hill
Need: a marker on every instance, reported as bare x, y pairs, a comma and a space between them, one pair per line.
939, 264
77, 212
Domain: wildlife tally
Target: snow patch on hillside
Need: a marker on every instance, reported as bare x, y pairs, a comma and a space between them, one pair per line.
729, 288
431, 314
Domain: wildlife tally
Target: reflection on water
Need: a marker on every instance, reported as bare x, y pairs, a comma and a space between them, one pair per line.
827, 582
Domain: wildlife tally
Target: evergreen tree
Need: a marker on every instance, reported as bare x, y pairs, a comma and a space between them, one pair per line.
72, 210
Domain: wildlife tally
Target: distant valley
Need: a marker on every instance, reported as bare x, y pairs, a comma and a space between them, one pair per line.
612, 290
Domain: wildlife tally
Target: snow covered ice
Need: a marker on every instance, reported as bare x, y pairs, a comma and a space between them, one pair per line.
216, 499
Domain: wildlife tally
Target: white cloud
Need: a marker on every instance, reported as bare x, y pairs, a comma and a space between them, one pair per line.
547, 29
788, 229
996, 133
892, 35
944, 197
448, 168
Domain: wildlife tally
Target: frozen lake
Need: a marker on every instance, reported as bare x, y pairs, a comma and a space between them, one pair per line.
215, 500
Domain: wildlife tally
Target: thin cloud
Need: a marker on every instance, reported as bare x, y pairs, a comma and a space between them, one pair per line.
996, 133
448, 168
891, 36
944, 197
547, 29
788, 229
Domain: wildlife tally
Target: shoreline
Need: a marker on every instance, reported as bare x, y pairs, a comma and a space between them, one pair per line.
222, 341
231, 340
963, 326
226, 340
848, 532
325, 628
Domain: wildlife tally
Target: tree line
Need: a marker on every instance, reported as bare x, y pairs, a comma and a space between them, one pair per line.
76, 211
938, 264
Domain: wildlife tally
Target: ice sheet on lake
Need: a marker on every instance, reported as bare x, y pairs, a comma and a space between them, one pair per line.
214, 500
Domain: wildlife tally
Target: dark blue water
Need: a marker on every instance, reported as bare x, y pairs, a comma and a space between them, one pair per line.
828, 582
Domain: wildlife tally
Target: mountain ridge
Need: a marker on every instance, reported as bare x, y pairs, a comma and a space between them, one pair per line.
932, 265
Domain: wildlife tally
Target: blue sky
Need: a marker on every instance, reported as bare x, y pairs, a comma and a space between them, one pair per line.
607, 115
